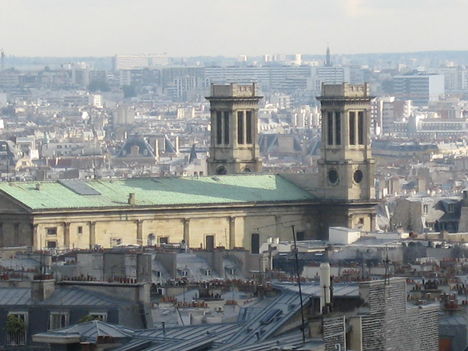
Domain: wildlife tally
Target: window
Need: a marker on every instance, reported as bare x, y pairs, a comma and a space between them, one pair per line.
100, 316
330, 127
58, 320
240, 127
230, 270
51, 244
248, 126
163, 240
352, 128
209, 242
425, 209
151, 240
337, 128
51, 231
219, 127
451, 208
361, 128
255, 243
226, 128
16, 335
80, 230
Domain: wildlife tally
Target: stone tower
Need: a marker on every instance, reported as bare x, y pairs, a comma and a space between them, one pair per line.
346, 166
234, 129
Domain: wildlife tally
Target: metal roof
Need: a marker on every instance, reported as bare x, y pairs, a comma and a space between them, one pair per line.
62, 296
157, 192
73, 296
90, 331
15, 296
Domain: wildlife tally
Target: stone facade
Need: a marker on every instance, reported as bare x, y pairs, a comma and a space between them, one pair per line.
348, 201
234, 129
346, 166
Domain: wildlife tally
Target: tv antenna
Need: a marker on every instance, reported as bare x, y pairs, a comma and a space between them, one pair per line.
386, 265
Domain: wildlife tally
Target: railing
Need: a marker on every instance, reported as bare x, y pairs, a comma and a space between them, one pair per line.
18, 338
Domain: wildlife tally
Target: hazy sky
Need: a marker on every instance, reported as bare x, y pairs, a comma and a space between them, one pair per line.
229, 27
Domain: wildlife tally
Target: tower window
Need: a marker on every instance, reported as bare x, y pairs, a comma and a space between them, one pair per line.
248, 127
226, 127
337, 128
240, 127
219, 127
358, 175
330, 127
352, 128
361, 128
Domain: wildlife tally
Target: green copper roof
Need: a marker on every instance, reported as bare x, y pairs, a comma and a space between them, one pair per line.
158, 192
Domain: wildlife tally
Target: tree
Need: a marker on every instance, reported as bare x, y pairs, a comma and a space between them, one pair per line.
15, 325
88, 318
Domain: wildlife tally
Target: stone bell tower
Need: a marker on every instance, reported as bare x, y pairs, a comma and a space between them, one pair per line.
234, 129
346, 166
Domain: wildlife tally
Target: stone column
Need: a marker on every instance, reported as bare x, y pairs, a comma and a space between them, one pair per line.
66, 235
373, 222
139, 232
345, 128
92, 234
186, 222
36, 241
350, 221
232, 233
277, 226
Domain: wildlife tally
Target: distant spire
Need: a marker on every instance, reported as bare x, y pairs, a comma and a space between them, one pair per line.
2, 60
328, 57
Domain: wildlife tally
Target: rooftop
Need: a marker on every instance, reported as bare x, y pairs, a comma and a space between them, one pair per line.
154, 192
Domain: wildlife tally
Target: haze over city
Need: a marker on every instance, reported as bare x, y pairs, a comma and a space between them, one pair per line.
222, 27
242, 175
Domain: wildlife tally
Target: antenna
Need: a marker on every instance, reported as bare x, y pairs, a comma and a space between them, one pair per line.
299, 283
386, 263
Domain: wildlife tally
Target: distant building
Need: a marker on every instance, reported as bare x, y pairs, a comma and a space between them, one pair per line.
139, 61
421, 88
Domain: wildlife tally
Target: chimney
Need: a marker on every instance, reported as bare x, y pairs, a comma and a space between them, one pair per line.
324, 286
131, 199
38, 186
42, 289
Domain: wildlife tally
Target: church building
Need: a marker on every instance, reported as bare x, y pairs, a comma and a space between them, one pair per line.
236, 205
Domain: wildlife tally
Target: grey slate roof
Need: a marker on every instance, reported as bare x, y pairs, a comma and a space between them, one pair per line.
15, 296
62, 296
90, 331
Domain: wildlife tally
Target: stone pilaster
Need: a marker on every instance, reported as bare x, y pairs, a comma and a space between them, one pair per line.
92, 234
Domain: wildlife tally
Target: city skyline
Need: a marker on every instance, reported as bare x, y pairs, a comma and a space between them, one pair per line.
209, 28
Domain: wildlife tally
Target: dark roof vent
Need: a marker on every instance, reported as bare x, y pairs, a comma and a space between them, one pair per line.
131, 199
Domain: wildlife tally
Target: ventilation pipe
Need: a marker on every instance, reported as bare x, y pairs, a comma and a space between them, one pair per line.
324, 286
